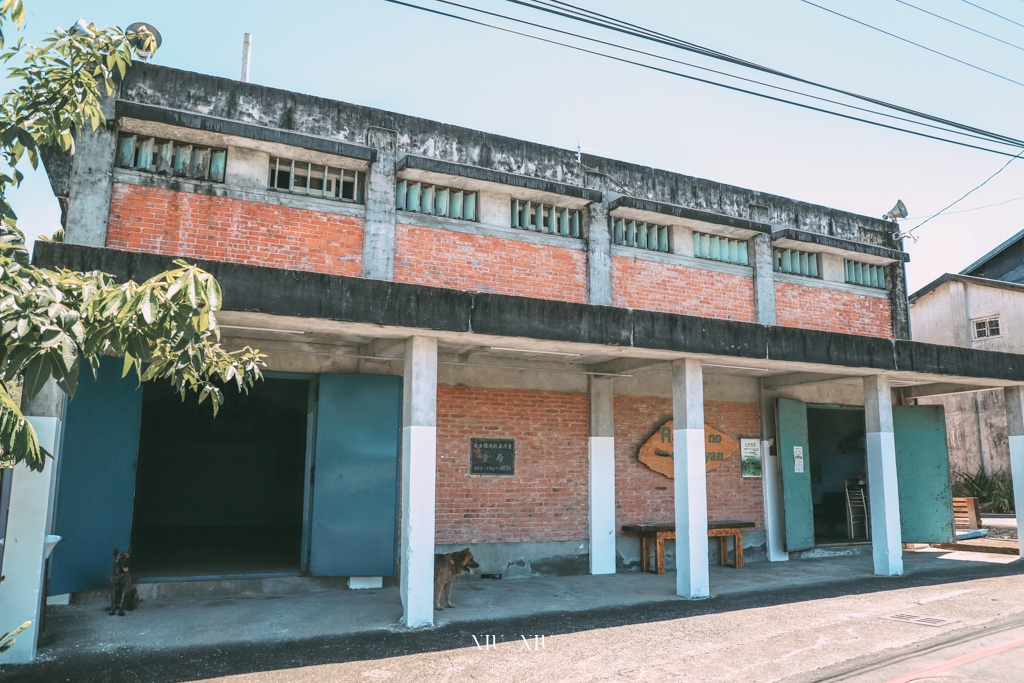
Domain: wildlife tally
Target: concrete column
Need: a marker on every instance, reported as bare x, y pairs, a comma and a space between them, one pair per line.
883, 492
599, 245
601, 492
27, 526
774, 519
379, 230
764, 279
958, 314
896, 276
92, 181
419, 456
1015, 429
691, 496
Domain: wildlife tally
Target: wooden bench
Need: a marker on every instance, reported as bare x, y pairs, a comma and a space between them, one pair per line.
966, 514
659, 533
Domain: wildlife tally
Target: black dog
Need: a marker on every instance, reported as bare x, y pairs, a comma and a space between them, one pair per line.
123, 593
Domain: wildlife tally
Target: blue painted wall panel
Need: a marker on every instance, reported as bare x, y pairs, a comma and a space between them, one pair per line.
922, 474
355, 487
96, 478
796, 479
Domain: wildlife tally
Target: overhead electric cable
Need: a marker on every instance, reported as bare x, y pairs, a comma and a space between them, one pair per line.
710, 70
568, 10
964, 26
911, 42
982, 184
976, 208
703, 80
993, 13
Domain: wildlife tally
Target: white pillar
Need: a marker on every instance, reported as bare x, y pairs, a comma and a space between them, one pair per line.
1015, 429
419, 455
24, 560
601, 489
691, 495
774, 519
883, 492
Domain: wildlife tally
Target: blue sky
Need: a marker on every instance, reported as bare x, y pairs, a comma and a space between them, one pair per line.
377, 54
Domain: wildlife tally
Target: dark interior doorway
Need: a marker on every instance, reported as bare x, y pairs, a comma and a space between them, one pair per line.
221, 497
838, 468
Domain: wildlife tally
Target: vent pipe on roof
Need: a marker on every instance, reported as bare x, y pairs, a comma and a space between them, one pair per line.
246, 55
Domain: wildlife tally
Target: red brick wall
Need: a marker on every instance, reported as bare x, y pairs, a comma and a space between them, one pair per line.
456, 260
546, 500
653, 286
815, 308
221, 229
642, 495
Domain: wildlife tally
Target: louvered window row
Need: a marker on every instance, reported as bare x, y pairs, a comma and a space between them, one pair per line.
551, 220
170, 157
795, 262
717, 248
641, 235
434, 200
313, 180
864, 274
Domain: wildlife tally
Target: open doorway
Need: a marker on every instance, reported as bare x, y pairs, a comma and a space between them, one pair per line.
222, 496
838, 473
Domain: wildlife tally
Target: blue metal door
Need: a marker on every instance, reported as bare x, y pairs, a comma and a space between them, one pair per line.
96, 478
794, 463
355, 476
922, 474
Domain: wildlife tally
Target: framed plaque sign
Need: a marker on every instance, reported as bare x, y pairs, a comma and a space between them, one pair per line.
492, 456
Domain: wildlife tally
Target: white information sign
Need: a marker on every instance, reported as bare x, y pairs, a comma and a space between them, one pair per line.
798, 459
750, 457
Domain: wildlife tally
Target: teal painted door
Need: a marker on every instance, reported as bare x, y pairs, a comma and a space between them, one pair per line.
922, 474
355, 482
795, 468
96, 478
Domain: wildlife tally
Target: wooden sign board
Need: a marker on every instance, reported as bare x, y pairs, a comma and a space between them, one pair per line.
657, 451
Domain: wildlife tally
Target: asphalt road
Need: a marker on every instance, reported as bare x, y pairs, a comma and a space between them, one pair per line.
795, 635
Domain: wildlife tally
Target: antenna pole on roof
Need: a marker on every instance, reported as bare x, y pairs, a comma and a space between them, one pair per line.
246, 55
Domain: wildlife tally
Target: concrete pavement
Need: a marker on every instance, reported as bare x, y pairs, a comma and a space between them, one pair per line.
766, 622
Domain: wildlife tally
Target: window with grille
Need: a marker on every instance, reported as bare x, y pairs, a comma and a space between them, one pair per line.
717, 248
435, 200
171, 157
864, 274
989, 327
795, 262
641, 235
545, 218
314, 180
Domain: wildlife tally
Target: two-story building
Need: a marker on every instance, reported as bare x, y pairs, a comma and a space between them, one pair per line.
471, 339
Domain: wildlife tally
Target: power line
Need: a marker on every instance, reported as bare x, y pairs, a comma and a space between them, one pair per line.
907, 40
965, 26
703, 80
1003, 168
707, 69
570, 11
976, 208
993, 13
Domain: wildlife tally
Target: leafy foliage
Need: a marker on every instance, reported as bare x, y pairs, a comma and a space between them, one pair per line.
53, 322
993, 491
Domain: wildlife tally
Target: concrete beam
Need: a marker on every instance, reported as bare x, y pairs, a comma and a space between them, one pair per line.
601, 483
628, 365
386, 348
691, 495
419, 467
940, 389
883, 492
764, 279
92, 181
796, 379
599, 245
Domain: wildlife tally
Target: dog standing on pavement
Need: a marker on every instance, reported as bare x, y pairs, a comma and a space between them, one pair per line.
446, 568
124, 595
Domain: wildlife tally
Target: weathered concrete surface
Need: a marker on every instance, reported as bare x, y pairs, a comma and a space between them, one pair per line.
359, 300
379, 230
763, 623
91, 182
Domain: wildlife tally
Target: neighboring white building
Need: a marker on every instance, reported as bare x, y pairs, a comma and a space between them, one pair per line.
985, 312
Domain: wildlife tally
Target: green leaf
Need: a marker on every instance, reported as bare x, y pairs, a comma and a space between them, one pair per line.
36, 374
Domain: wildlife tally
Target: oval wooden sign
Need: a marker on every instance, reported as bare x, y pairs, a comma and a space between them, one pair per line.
657, 451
